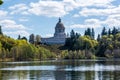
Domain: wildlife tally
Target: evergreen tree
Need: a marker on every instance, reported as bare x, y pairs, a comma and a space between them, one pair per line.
72, 39
1, 30
104, 32
19, 37
32, 38
109, 32
88, 32
85, 32
77, 35
24, 38
93, 33
98, 37
72, 34
114, 31
38, 39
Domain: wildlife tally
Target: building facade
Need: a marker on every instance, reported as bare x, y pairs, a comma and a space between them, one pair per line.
59, 35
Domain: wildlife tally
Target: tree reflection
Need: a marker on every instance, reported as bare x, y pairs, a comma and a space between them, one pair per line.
63, 70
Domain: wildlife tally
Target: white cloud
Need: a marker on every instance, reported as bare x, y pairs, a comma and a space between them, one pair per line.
10, 24
111, 14
11, 28
3, 13
48, 8
92, 21
97, 3
19, 8
111, 21
85, 26
70, 5
115, 16
88, 23
99, 12
52, 8
16, 33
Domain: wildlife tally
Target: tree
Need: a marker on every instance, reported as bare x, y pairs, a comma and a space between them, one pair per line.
85, 32
114, 31
72, 34
93, 33
90, 33
1, 2
1, 31
98, 38
19, 37
32, 38
38, 39
24, 38
109, 32
104, 32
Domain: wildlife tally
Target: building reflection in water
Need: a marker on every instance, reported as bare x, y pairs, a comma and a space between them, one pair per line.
70, 70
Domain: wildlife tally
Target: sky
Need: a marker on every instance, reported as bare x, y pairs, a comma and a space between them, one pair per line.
24, 17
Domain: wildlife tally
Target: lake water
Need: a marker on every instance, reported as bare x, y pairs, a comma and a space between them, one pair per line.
61, 70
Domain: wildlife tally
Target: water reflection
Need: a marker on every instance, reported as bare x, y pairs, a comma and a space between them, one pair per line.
61, 70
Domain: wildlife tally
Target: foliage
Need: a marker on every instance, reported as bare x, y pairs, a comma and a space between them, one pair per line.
1, 2
104, 31
76, 46
34, 39
106, 45
109, 43
0, 31
77, 42
79, 54
22, 50
90, 32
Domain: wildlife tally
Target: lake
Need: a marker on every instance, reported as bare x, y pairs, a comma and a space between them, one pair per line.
61, 70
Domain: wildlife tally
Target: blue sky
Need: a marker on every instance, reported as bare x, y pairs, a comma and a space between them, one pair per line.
25, 17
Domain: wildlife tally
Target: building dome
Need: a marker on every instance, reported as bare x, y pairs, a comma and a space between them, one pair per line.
59, 30
59, 35
59, 25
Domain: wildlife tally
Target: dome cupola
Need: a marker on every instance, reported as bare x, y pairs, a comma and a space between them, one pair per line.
59, 25
59, 29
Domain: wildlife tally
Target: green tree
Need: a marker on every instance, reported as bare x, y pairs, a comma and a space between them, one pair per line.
93, 33
19, 37
109, 32
88, 32
98, 37
1, 2
24, 38
72, 34
37, 39
115, 31
32, 38
1, 31
104, 32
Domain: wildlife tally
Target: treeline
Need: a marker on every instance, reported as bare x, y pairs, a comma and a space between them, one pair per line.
107, 44
21, 49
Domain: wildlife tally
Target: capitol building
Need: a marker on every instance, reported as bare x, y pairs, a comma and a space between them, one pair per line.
59, 35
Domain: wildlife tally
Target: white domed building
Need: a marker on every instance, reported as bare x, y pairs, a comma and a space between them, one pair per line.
59, 35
